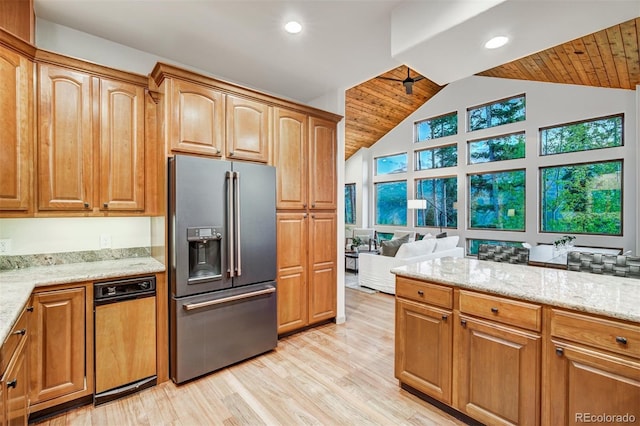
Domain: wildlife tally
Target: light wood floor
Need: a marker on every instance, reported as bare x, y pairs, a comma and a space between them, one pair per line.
329, 375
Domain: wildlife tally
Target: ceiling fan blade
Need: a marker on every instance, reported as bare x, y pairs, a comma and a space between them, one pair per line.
418, 78
389, 78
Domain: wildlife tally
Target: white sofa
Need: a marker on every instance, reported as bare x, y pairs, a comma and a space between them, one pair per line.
374, 270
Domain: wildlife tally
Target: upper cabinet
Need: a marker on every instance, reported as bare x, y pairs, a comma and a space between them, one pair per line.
195, 117
247, 129
16, 137
305, 157
17, 17
91, 143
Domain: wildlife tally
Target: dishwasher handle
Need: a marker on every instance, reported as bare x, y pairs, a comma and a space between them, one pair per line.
192, 306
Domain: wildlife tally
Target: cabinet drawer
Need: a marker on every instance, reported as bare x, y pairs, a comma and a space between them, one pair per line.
506, 311
419, 291
611, 335
17, 333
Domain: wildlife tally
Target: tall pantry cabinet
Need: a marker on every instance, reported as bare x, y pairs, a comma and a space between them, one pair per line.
305, 156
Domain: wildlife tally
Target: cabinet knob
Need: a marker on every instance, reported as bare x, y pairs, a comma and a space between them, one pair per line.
494, 310
559, 351
217, 150
231, 154
420, 293
304, 205
105, 205
86, 205
313, 205
13, 383
621, 339
20, 332
444, 317
304, 215
30, 309
463, 323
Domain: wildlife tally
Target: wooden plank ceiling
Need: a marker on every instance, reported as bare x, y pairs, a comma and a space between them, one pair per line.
608, 58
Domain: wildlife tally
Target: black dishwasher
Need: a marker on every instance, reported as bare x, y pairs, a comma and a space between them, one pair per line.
125, 337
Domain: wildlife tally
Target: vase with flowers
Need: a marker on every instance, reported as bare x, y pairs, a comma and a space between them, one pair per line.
564, 244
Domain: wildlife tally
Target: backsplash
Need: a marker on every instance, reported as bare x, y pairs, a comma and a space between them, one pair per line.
44, 259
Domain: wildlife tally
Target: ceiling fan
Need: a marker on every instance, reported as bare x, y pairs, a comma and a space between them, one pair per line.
407, 82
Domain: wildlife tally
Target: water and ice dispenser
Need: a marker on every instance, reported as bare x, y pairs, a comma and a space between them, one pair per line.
205, 255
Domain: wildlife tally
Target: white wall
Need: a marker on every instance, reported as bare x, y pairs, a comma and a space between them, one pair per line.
58, 235
546, 104
357, 171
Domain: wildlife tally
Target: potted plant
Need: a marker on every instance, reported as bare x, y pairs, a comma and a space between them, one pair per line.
563, 243
356, 242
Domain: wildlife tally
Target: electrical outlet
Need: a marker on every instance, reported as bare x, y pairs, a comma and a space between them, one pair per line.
105, 241
5, 246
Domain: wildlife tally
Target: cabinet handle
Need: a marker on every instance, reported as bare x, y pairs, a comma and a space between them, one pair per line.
105, 205
621, 339
231, 154
444, 317
494, 310
304, 205
559, 351
313, 205
304, 215
12, 384
463, 323
20, 332
30, 309
86, 205
420, 293
313, 216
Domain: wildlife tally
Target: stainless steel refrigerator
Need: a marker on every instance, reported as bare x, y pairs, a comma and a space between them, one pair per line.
222, 249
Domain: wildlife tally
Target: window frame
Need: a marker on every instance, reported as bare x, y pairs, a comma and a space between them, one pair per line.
469, 109
375, 202
375, 164
416, 123
416, 155
352, 196
501, 136
573, 123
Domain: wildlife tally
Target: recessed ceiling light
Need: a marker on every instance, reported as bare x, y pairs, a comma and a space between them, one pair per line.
293, 27
496, 42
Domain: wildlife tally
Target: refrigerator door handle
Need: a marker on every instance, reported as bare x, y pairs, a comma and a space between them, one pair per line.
236, 221
192, 306
230, 226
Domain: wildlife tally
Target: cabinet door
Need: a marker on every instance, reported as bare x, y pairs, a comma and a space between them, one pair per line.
584, 382
498, 373
322, 267
423, 347
292, 271
16, 137
196, 118
57, 352
121, 146
247, 129
65, 143
15, 386
322, 164
290, 142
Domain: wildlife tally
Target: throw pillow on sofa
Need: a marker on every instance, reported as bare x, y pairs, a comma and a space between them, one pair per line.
390, 247
416, 248
446, 243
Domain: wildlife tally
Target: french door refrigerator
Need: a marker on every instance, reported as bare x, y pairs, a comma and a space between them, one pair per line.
222, 249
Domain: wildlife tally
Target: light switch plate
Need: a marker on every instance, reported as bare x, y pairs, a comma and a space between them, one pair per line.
5, 246
105, 241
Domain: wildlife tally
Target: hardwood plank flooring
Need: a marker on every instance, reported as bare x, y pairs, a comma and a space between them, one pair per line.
328, 375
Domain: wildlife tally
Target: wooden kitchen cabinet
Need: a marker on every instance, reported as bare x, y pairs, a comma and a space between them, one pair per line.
306, 269
322, 267
592, 368
247, 124
424, 335
91, 147
16, 137
292, 271
61, 352
14, 378
323, 183
291, 159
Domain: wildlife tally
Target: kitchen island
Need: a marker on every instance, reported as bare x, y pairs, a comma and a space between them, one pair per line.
517, 344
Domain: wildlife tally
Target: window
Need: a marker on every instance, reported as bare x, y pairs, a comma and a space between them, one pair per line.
497, 200
391, 164
437, 127
507, 147
441, 193
391, 203
350, 203
434, 158
582, 136
582, 198
501, 112
473, 245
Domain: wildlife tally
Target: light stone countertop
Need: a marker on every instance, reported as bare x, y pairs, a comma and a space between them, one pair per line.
16, 285
614, 297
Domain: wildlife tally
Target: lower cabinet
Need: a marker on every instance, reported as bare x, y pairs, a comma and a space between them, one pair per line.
61, 352
14, 385
498, 373
306, 269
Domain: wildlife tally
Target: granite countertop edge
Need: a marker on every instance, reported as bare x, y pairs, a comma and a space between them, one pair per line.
626, 289
16, 285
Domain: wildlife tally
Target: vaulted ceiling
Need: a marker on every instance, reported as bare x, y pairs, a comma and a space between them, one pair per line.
607, 58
